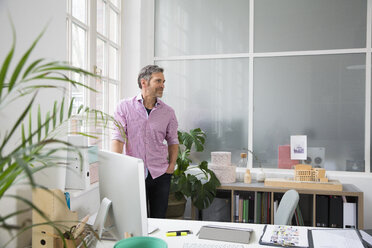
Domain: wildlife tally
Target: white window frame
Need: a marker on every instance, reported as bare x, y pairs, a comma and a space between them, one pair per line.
92, 34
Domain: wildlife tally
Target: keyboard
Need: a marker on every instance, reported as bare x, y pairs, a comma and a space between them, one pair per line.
214, 245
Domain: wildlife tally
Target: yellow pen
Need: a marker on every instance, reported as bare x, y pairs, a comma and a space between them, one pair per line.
173, 234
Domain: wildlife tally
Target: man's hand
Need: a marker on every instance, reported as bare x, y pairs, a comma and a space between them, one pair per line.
170, 169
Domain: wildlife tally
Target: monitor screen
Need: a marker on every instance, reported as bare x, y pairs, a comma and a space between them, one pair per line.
122, 181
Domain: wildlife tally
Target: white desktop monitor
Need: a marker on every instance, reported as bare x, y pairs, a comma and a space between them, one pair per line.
122, 181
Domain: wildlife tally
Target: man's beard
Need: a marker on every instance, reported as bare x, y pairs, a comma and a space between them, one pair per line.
159, 93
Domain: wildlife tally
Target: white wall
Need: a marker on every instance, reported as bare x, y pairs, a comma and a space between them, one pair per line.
138, 43
30, 18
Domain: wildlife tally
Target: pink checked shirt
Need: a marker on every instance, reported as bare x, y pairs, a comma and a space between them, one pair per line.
146, 133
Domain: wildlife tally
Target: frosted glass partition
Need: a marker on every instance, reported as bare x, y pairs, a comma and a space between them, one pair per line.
211, 95
190, 27
322, 97
291, 25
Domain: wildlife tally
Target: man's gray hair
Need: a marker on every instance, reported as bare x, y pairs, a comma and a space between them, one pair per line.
146, 73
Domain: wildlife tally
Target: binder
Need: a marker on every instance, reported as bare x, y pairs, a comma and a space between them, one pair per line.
322, 211
286, 236
335, 211
349, 215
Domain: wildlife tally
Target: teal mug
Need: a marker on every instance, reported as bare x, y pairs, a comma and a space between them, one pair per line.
143, 242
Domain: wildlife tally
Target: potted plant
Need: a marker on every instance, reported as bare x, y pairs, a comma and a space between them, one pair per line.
194, 181
40, 145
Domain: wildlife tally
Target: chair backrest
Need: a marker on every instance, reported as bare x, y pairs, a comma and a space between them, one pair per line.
287, 206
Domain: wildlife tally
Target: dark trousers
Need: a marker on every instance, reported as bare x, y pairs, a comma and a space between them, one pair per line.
157, 192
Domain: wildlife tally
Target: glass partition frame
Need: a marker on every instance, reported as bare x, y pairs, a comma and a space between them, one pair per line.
253, 56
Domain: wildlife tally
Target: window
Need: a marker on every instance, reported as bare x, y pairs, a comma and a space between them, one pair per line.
252, 73
93, 29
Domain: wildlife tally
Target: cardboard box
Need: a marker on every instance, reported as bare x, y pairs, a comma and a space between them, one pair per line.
53, 205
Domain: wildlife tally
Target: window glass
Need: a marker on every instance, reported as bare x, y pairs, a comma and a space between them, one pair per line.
79, 48
112, 97
113, 62
190, 27
293, 25
101, 17
78, 59
100, 56
211, 95
79, 10
113, 26
322, 97
115, 2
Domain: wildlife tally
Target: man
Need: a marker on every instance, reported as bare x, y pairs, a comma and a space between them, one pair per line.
147, 122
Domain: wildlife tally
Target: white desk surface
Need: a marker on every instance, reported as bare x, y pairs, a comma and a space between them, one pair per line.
165, 225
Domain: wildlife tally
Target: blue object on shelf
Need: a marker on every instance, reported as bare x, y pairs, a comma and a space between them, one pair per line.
67, 196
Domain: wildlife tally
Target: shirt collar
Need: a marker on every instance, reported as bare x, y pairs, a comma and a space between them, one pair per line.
140, 99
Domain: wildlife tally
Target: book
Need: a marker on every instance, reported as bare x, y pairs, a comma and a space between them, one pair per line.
251, 209
258, 208
240, 219
236, 207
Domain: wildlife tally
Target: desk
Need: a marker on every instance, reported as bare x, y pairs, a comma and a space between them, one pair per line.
165, 225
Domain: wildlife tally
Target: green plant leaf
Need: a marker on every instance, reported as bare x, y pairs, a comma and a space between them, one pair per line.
38, 124
61, 111
30, 67
22, 62
23, 136
80, 108
194, 137
30, 127
71, 107
47, 119
18, 122
54, 114
5, 65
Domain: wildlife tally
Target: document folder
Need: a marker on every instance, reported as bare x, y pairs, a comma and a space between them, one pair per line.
224, 233
286, 236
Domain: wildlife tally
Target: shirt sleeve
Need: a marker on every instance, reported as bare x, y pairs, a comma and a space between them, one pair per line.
172, 136
120, 125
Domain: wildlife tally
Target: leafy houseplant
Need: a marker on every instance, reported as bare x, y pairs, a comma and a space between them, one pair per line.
202, 186
40, 145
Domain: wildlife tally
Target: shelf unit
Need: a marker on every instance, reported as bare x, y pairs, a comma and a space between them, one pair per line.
306, 196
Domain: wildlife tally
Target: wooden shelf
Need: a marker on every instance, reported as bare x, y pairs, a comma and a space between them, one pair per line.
348, 190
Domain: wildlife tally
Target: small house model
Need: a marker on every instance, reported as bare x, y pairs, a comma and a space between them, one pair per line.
305, 172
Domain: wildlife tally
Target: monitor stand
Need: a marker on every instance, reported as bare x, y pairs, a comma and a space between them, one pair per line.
99, 223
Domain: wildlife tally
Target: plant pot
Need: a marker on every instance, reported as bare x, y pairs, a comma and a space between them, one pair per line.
176, 208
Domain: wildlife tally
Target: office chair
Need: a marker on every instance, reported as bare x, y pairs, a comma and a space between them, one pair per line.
287, 206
